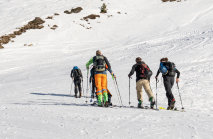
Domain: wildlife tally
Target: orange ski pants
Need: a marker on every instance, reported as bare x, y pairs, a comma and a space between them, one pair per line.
101, 83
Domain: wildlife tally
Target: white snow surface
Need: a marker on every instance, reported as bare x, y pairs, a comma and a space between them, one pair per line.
35, 80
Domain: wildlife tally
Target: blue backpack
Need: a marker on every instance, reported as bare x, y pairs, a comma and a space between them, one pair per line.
163, 69
167, 68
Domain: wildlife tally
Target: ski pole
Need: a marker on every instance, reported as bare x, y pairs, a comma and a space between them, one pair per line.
129, 90
119, 91
71, 87
157, 92
116, 90
180, 96
87, 85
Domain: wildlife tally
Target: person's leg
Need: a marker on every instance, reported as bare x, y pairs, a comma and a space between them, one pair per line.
168, 88
139, 93
109, 96
99, 88
104, 87
79, 87
147, 88
148, 91
93, 88
172, 103
76, 87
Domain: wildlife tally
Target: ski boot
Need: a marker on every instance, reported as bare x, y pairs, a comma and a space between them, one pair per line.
152, 102
80, 95
172, 104
169, 108
106, 104
140, 104
105, 96
76, 96
109, 104
100, 100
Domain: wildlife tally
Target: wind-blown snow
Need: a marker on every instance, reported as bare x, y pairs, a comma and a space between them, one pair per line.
35, 81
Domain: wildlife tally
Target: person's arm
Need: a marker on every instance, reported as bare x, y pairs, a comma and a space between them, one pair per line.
81, 75
71, 74
157, 73
108, 66
89, 62
178, 73
133, 70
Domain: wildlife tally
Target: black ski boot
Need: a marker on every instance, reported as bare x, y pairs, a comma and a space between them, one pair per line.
152, 102
109, 104
172, 104
76, 96
80, 95
106, 104
140, 104
169, 108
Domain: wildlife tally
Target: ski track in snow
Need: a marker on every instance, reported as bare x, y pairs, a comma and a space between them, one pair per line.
35, 84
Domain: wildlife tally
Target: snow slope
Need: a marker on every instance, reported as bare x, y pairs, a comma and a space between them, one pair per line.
35, 82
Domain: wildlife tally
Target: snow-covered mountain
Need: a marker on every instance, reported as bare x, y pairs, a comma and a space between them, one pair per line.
35, 80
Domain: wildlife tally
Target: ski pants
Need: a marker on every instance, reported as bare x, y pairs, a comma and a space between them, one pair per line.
77, 82
109, 96
101, 83
93, 86
168, 83
143, 83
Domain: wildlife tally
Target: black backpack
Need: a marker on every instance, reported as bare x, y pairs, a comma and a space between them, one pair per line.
76, 73
171, 68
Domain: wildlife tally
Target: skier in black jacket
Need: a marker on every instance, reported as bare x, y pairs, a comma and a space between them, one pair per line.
143, 74
168, 72
78, 77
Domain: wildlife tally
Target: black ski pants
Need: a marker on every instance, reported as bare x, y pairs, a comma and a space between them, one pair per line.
77, 82
168, 83
93, 86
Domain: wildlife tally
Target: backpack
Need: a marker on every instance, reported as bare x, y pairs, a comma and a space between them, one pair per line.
171, 68
167, 68
145, 72
163, 69
76, 72
99, 63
